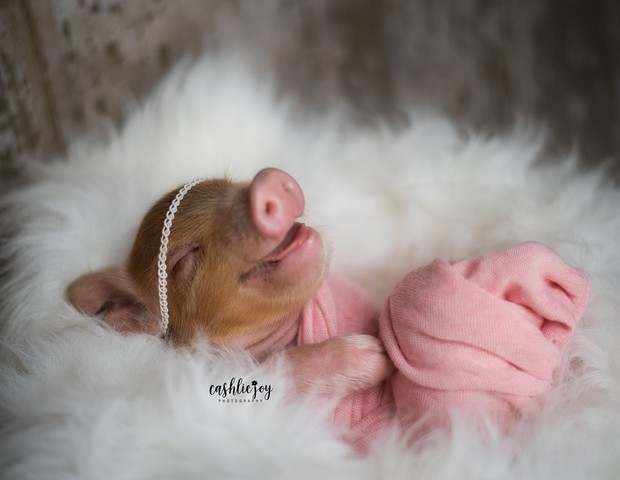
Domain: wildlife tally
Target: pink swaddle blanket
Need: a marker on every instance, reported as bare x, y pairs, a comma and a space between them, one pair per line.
481, 335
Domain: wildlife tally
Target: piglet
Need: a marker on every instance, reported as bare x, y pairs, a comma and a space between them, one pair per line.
240, 271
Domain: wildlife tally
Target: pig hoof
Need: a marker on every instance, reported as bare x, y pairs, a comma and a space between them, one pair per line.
340, 365
360, 361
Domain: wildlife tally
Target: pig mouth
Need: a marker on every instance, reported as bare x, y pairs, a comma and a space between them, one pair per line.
293, 239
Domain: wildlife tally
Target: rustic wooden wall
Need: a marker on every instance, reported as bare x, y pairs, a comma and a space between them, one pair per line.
68, 65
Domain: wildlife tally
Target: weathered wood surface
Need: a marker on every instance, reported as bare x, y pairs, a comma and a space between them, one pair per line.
27, 125
66, 66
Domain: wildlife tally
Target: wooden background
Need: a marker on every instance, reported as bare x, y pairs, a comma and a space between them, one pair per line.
69, 66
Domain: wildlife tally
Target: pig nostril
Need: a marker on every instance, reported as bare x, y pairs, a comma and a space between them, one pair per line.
270, 208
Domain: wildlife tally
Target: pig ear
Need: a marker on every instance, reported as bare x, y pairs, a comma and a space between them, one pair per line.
111, 293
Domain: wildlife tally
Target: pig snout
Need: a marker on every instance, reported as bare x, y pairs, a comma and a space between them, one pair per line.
287, 255
276, 200
342, 365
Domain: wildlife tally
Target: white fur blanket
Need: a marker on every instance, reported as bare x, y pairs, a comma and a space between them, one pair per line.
80, 401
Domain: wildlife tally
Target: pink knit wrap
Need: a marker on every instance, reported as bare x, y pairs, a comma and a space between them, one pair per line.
341, 308
481, 335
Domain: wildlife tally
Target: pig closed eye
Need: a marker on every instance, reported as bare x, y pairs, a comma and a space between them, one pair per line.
184, 261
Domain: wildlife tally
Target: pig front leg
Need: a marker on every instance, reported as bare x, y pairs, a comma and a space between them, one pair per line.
340, 365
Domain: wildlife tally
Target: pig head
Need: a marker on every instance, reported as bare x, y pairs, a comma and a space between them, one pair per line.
239, 265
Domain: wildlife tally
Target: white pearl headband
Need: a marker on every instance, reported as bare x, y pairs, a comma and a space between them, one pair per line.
163, 254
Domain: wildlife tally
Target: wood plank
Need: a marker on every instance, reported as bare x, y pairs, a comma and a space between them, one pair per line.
27, 120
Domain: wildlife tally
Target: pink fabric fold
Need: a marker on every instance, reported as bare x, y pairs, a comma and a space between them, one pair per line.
481, 335
341, 308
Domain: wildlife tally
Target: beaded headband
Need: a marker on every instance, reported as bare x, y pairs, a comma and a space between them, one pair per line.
163, 254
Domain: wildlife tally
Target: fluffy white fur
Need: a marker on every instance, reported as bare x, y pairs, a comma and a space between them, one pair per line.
80, 401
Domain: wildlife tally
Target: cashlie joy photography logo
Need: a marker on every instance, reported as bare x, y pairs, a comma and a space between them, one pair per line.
238, 391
